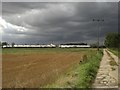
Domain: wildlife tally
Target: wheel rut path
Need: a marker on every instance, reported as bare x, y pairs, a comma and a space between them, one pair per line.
107, 76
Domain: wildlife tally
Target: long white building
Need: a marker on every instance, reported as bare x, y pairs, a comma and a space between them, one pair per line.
71, 46
32, 46
47, 46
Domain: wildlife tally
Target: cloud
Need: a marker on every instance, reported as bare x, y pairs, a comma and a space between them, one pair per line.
58, 22
10, 28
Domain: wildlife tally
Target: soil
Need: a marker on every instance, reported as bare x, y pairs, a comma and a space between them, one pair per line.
35, 70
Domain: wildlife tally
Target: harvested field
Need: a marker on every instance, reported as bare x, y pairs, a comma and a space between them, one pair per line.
37, 67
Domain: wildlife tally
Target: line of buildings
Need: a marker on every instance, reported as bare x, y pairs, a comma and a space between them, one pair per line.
48, 46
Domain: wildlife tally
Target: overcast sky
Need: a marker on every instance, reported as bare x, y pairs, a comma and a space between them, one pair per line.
44, 23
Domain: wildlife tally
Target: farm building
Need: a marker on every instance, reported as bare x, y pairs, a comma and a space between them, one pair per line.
30, 46
49, 46
71, 46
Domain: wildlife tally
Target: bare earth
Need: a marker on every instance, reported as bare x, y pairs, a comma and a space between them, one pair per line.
107, 76
36, 70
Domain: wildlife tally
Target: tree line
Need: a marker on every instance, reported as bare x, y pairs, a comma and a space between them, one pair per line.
112, 40
5, 44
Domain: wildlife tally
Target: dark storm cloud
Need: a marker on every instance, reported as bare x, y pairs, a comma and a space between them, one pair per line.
20, 7
59, 22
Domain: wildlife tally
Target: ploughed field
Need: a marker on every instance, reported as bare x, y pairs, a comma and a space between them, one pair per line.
36, 67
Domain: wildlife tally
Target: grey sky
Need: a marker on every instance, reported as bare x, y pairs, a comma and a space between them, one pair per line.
40, 22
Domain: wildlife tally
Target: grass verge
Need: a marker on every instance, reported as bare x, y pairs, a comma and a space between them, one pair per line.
112, 61
82, 75
115, 51
88, 70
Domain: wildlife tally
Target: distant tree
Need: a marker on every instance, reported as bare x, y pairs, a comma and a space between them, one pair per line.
4, 44
13, 44
112, 40
0, 44
93, 45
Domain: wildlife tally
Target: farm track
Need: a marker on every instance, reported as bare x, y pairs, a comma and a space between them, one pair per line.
107, 76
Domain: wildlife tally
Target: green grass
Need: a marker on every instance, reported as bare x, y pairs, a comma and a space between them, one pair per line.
112, 62
115, 51
42, 50
88, 70
82, 75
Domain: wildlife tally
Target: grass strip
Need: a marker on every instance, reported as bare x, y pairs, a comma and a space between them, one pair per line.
88, 70
115, 51
112, 61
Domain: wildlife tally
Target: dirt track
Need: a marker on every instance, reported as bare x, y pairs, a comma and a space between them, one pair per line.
107, 76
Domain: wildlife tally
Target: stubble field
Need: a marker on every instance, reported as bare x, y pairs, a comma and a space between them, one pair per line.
36, 67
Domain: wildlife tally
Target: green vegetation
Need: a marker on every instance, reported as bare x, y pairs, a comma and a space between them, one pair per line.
115, 51
113, 63
112, 40
88, 71
43, 50
3, 44
13, 44
82, 75
113, 68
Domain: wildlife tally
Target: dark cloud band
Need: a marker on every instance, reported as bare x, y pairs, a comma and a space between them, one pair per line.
58, 22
